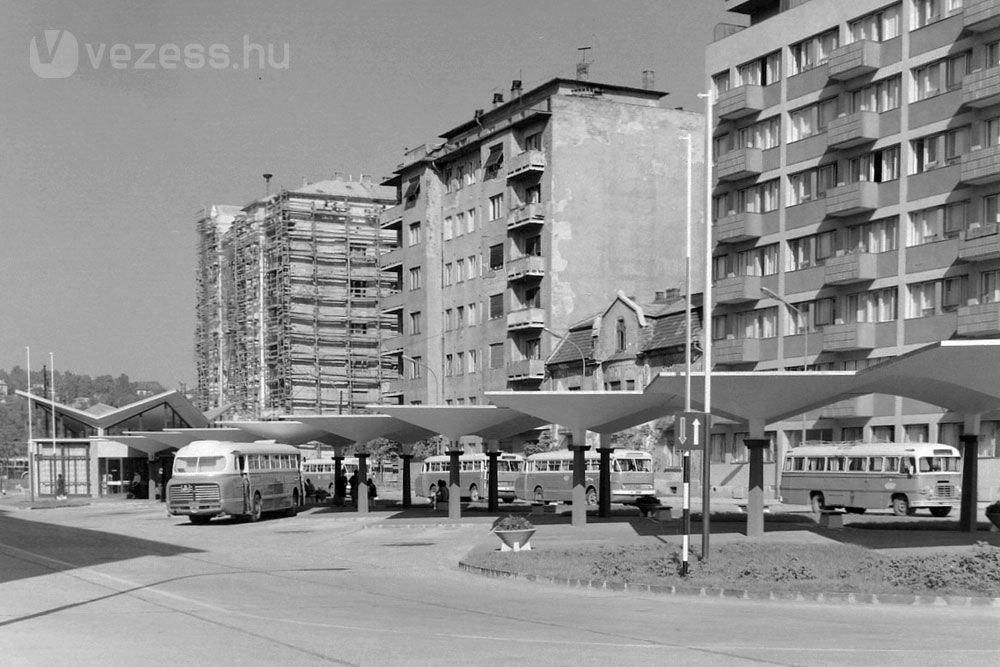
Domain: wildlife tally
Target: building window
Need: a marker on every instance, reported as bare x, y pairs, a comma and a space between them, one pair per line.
470, 220
473, 314
953, 292
915, 433
811, 120
876, 167
496, 306
416, 278
533, 142
449, 228
415, 323
415, 235
763, 134
879, 96
751, 324
494, 162
446, 278
876, 27
991, 208
762, 261
449, 365
472, 267
720, 83
412, 192
496, 355
459, 270
926, 12
620, 335
460, 363
991, 55
811, 184
449, 319
935, 223
875, 306
533, 194
874, 237
939, 76
938, 150
459, 224
760, 198
760, 72
496, 257
920, 301
472, 361
813, 52
989, 287
496, 207
416, 365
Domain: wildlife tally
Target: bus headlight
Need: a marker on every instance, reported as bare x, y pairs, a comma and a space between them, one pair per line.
927, 491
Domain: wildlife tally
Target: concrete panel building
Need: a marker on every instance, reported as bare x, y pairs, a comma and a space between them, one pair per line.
527, 218
856, 198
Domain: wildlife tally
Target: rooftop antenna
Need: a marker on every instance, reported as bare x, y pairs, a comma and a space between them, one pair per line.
583, 67
267, 184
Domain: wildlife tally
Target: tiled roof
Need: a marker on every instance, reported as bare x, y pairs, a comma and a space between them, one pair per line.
671, 331
570, 347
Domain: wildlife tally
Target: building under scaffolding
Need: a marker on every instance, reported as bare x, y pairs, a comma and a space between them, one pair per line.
292, 323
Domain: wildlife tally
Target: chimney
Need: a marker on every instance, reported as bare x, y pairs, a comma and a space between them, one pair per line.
338, 175
659, 296
648, 79
668, 295
515, 88
497, 98
267, 184
478, 113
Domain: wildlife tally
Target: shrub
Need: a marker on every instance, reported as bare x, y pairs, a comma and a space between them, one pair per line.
513, 522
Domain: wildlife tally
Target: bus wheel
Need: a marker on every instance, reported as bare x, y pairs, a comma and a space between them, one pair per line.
940, 511
901, 506
473, 493
818, 503
257, 508
591, 496
199, 519
539, 495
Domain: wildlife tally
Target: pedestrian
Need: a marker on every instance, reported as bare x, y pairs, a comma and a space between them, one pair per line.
441, 495
372, 492
340, 489
60, 487
310, 489
353, 483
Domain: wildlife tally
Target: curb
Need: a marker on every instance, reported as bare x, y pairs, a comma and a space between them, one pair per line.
905, 599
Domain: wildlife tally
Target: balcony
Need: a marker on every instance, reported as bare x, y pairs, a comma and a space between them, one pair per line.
848, 337
981, 15
853, 130
528, 163
736, 351
852, 199
854, 60
739, 102
526, 369
982, 319
525, 268
981, 166
740, 163
737, 289
526, 215
738, 227
526, 318
980, 243
982, 88
850, 268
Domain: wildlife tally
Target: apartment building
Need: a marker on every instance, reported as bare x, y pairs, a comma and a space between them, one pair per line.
288, 301
525, 219
856, 196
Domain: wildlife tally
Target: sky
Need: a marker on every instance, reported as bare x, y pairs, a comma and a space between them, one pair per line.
109, 149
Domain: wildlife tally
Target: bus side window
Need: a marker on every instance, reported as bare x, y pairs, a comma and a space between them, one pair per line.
874, 464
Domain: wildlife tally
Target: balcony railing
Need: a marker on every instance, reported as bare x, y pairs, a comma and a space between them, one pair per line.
854, 60
851, 268
980, 243
526, 318
981, 15
737, 289
527, 163
982, 166
979, 320
851, 199
853, 129
982, 88
736, 350
526, 369
526, 267
738, 227
739, 102
526, 214
846, 337
740, 163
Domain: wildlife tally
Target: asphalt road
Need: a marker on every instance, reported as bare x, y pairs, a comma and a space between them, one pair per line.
123, 583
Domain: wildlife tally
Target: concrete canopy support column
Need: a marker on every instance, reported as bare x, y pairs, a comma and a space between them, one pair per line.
970, 491
362, 482
755, 490
404, 461
604, 483
493, 499
579, 477
454, 484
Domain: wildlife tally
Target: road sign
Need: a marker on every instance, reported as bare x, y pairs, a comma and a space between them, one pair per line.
692, 429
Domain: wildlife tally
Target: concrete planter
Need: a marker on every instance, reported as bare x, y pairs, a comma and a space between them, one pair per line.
515, 540
994, 517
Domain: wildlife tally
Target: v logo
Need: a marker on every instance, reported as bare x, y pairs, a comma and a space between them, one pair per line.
54, 54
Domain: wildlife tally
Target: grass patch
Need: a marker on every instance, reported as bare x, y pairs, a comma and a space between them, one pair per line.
766, 567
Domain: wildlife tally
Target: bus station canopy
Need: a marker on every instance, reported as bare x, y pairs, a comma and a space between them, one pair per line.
362, 428
289, 432
454, 421
598, 411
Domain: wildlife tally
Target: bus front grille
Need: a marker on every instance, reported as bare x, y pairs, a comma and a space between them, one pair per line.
945, 491
188, 494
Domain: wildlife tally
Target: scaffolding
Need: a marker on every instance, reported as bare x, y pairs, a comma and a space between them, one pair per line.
301, 325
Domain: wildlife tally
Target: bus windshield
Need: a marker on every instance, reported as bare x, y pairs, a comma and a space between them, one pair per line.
633, 465
940, 464
199, 464
509, 466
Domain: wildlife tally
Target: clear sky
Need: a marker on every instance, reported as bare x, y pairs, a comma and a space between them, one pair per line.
103, 166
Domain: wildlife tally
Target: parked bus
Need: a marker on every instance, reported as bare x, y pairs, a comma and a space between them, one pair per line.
548, 476
473, 476
240, 479
321, 471
859, 476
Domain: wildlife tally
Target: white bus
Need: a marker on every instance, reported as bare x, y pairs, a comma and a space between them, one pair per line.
860, 476
548, 476
473, 476
241, 479
321, 471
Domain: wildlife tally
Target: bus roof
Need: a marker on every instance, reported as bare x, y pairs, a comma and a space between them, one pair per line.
218, 447
560, 454
473, 456
873, 449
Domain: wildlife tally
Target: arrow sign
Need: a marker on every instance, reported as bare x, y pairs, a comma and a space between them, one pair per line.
690, 426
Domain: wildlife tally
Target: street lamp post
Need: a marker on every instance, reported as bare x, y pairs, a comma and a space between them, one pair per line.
437, 382
801, 316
